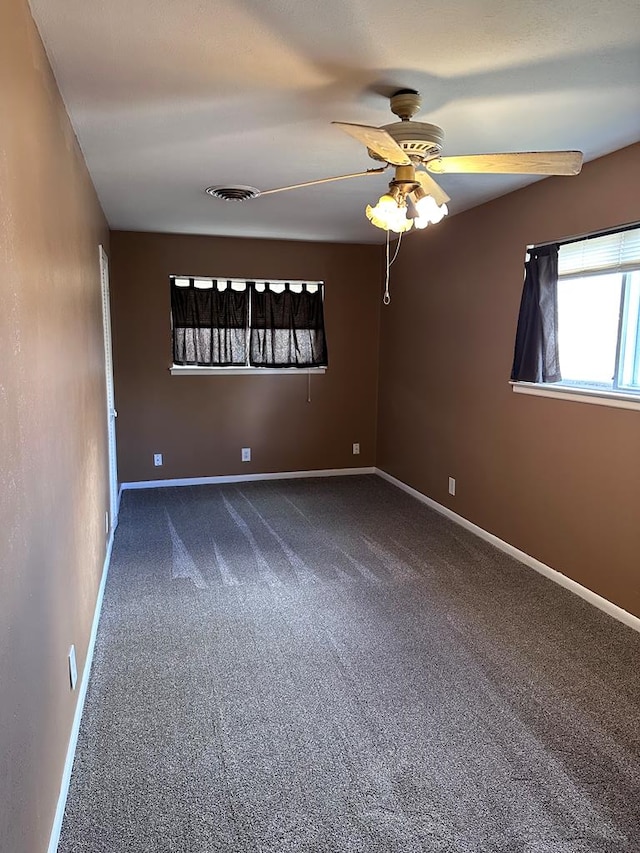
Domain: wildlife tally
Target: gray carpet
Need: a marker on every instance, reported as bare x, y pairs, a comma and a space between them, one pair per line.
328, 665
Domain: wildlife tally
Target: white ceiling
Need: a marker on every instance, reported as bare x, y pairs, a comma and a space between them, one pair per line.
170, 96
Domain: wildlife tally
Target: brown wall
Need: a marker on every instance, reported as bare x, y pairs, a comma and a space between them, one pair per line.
200, 423
559, 480
53, 483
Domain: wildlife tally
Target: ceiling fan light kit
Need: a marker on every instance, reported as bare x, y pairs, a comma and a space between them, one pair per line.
408, 203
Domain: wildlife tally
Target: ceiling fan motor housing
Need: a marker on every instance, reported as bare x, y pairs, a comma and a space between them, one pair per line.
420, 141
405, 103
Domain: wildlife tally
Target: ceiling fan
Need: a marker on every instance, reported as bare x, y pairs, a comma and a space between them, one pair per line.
414, 148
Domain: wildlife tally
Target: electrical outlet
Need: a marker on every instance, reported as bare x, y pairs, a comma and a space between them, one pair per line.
106, 522
73, 669
157, 459
356, 448
246, 454
452, 486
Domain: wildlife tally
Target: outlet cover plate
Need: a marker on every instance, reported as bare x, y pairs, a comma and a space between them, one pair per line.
452, 486
246, 454
356, 448
157, 459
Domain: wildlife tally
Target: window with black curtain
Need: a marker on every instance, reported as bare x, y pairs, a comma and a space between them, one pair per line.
247, 324
287, 327
579, 321
209, 322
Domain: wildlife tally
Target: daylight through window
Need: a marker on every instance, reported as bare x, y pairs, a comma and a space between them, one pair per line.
599, 312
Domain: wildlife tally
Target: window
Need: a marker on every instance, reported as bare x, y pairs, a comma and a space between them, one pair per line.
598, 312
579, 324
226, 324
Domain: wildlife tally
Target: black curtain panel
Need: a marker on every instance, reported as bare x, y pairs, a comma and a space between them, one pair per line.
287, 328
535, 357
209, 324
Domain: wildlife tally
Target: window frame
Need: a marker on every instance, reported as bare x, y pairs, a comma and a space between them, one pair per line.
614, 399
246, 369
618, 395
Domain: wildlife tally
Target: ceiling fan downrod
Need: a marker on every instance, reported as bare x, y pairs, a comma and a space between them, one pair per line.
404, 180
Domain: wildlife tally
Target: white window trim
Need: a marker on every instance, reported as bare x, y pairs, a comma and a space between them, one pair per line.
614, 399
188, 370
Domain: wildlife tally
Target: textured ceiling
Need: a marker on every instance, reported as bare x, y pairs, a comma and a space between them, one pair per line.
170, 96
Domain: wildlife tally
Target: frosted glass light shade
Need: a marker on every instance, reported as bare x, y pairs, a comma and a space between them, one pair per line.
429, 212
388, 215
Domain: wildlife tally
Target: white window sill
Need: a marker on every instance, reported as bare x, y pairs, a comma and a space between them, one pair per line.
183, 370
616, 399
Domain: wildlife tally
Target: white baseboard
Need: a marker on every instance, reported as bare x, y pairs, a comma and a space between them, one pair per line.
82, 693
246, 478
573, 586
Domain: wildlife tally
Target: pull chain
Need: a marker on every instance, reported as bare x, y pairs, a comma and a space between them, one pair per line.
386, 299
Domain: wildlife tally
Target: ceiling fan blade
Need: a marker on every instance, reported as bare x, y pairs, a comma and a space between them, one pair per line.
431, 187
518, 163
378, 140
323, 181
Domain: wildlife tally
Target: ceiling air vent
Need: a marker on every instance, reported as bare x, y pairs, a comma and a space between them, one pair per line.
237, 193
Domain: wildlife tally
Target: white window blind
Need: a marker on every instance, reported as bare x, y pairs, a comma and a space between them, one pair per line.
615, 252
